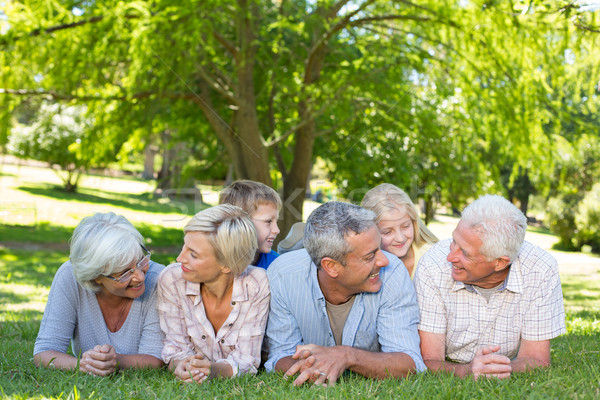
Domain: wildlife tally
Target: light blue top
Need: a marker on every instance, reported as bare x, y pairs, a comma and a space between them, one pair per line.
73, 316
385, 321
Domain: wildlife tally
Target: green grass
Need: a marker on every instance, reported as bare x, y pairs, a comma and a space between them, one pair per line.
27, 269
25, 277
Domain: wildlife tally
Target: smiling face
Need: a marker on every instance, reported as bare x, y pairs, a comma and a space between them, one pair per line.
363, 263
132, 288
198, 260
397, 232
265, 222
469, 265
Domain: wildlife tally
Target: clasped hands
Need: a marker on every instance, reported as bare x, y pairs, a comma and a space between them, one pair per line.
489, 364
99, 361
193, 369
318, 364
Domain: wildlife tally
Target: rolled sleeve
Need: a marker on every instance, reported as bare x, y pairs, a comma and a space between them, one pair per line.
398, 317
60, 316
176, 344
151, 341
283, 332
545, 319
429, 298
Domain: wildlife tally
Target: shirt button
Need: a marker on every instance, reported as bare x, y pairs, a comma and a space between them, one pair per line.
231, 323
203, 336
222, 340
233, 303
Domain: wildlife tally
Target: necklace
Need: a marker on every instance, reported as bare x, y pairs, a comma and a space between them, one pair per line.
114, 324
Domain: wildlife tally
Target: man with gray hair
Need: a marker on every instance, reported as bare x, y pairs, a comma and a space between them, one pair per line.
342, 303
490, 302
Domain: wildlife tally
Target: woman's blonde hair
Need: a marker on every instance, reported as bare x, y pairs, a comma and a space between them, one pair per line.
387, 197
230, 232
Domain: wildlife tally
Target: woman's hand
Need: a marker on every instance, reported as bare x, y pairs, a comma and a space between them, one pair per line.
193, 369
99, 361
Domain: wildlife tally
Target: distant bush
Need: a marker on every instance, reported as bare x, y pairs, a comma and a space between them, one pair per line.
560, 217
587, 220
56, 136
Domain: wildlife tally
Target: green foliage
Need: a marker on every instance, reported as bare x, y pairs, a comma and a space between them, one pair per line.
446, 99
61, 137
573, 206
560, 217
587, 220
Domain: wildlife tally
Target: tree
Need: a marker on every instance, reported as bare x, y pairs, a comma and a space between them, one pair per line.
59, 136
271, 79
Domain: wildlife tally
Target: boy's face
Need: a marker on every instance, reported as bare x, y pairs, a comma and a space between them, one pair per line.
265, 222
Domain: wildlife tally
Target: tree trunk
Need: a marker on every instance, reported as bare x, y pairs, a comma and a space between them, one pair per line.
149, 155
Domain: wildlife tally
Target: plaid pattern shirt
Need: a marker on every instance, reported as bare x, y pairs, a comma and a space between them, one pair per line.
528, 305
188, 331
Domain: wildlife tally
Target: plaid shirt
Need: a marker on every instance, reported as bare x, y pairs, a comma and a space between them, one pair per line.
188, 331
528, 305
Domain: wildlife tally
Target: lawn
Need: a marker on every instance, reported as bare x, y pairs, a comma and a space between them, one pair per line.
34, 250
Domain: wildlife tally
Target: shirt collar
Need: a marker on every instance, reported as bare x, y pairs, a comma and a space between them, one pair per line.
316, 289
513, 281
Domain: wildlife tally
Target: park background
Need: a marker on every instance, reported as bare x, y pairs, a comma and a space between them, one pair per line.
149, 108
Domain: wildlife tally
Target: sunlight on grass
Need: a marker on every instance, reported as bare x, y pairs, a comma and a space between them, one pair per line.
26, 274
18, 298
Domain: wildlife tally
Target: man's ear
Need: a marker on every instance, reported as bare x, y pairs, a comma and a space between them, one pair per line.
331, 267
501, 263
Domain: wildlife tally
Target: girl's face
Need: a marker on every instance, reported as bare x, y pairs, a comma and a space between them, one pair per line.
397, 232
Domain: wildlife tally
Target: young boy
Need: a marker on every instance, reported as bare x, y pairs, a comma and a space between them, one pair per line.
262, 203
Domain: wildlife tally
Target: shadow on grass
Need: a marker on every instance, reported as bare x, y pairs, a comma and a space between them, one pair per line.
137, 202
581, 290
42, 233
155, 235
30, 267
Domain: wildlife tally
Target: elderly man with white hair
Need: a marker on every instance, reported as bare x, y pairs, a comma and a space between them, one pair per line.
490, 302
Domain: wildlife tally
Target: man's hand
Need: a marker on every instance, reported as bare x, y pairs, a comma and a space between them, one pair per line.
489, 364
99, 361
193, 369
318, 364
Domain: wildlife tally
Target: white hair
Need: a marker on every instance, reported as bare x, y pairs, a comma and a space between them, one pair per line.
328, 226
500, 223
103, 244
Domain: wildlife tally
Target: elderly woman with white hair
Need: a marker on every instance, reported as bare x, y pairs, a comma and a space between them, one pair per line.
103, 302
213, 306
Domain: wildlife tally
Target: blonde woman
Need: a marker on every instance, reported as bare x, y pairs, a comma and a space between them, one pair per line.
402, 231
213, 306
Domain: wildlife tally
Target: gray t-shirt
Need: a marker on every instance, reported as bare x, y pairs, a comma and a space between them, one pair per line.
73, 315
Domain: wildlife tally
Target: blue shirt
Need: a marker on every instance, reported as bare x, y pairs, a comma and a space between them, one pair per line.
385, 321
265, 259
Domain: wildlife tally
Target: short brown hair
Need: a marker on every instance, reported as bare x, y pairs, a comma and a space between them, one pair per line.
249, 195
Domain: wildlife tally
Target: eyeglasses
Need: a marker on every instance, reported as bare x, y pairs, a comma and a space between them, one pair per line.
142, 265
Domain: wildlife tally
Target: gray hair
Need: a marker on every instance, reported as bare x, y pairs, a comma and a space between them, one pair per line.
500, 223
230, 232
328, 226
103, 244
